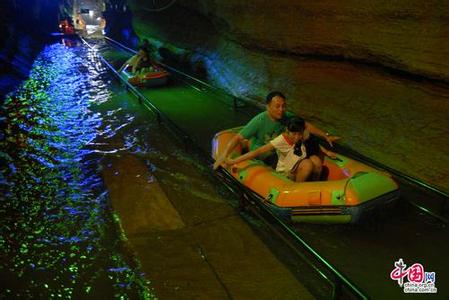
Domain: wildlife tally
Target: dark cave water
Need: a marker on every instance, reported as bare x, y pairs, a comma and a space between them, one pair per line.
59, 237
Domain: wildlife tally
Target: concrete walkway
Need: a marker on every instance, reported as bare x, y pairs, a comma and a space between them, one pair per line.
193, 247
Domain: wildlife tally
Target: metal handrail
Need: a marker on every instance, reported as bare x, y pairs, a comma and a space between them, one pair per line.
404, 177
395, 172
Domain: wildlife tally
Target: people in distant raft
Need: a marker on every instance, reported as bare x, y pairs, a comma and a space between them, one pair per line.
145, 45
138, 62
269, 124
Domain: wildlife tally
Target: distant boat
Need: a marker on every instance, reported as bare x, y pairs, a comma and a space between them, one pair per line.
148, 77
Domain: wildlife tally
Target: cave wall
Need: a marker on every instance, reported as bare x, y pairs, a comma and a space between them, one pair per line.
25, 27
119, 22
408, 35
376, 74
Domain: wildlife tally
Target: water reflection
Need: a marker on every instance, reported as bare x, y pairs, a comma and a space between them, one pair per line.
58, 235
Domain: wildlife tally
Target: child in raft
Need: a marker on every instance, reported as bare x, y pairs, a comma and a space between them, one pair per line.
295, 150
139, 63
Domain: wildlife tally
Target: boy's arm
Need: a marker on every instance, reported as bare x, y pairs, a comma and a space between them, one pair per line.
251, 154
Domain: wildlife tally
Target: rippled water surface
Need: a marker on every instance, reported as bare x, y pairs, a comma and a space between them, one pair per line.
59, 237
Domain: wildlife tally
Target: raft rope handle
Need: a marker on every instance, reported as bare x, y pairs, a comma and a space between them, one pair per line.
358, 174
268, 199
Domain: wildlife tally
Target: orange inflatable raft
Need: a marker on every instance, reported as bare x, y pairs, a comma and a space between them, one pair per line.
152, 76
349, 192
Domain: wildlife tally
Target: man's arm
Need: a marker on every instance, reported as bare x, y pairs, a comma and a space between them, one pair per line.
128, 62
248, 131
238, 138
320, 133
136, 63
328, 153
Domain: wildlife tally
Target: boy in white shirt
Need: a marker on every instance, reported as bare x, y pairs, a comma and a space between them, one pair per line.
293, 161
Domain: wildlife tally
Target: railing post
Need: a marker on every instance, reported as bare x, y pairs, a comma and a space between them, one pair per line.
235, 99
336, 290
186, 145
